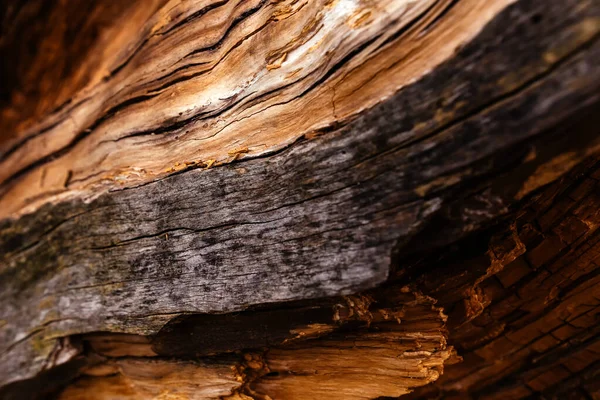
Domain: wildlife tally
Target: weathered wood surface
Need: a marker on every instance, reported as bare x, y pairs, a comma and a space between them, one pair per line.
528, 328
172, 81
394, 339
392, 346
513, 345
323, 208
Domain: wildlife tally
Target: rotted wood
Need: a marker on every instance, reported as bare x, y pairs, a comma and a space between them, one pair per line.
203, 168
354, 347
526, 327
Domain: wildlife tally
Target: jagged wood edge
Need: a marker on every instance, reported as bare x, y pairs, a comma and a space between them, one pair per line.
319, 218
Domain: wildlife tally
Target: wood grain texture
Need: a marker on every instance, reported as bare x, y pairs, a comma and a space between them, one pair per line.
132, 378
527, 328
51, 51
196, 81
324, 207
382, 343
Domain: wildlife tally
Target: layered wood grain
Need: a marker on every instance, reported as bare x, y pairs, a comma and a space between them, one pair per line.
527, 328
393, 348
191, 83
231, 155
355, 347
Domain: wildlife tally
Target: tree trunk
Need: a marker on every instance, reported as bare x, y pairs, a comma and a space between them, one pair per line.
300, 199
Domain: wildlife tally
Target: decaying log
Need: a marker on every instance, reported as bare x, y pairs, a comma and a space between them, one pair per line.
528, 327
388, 350
299, 199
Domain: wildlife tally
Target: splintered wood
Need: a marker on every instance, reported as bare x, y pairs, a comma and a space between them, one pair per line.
172, 80
393, 350
221, 199
536, 332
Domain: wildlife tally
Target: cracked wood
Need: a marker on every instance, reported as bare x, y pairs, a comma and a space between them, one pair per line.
472, 107
199, 80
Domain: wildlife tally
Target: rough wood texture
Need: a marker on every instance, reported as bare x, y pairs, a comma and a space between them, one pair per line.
359, 135
394, 339
529, 327
197, 81
393, 348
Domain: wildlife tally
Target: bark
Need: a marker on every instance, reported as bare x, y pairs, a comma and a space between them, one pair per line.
296, 200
